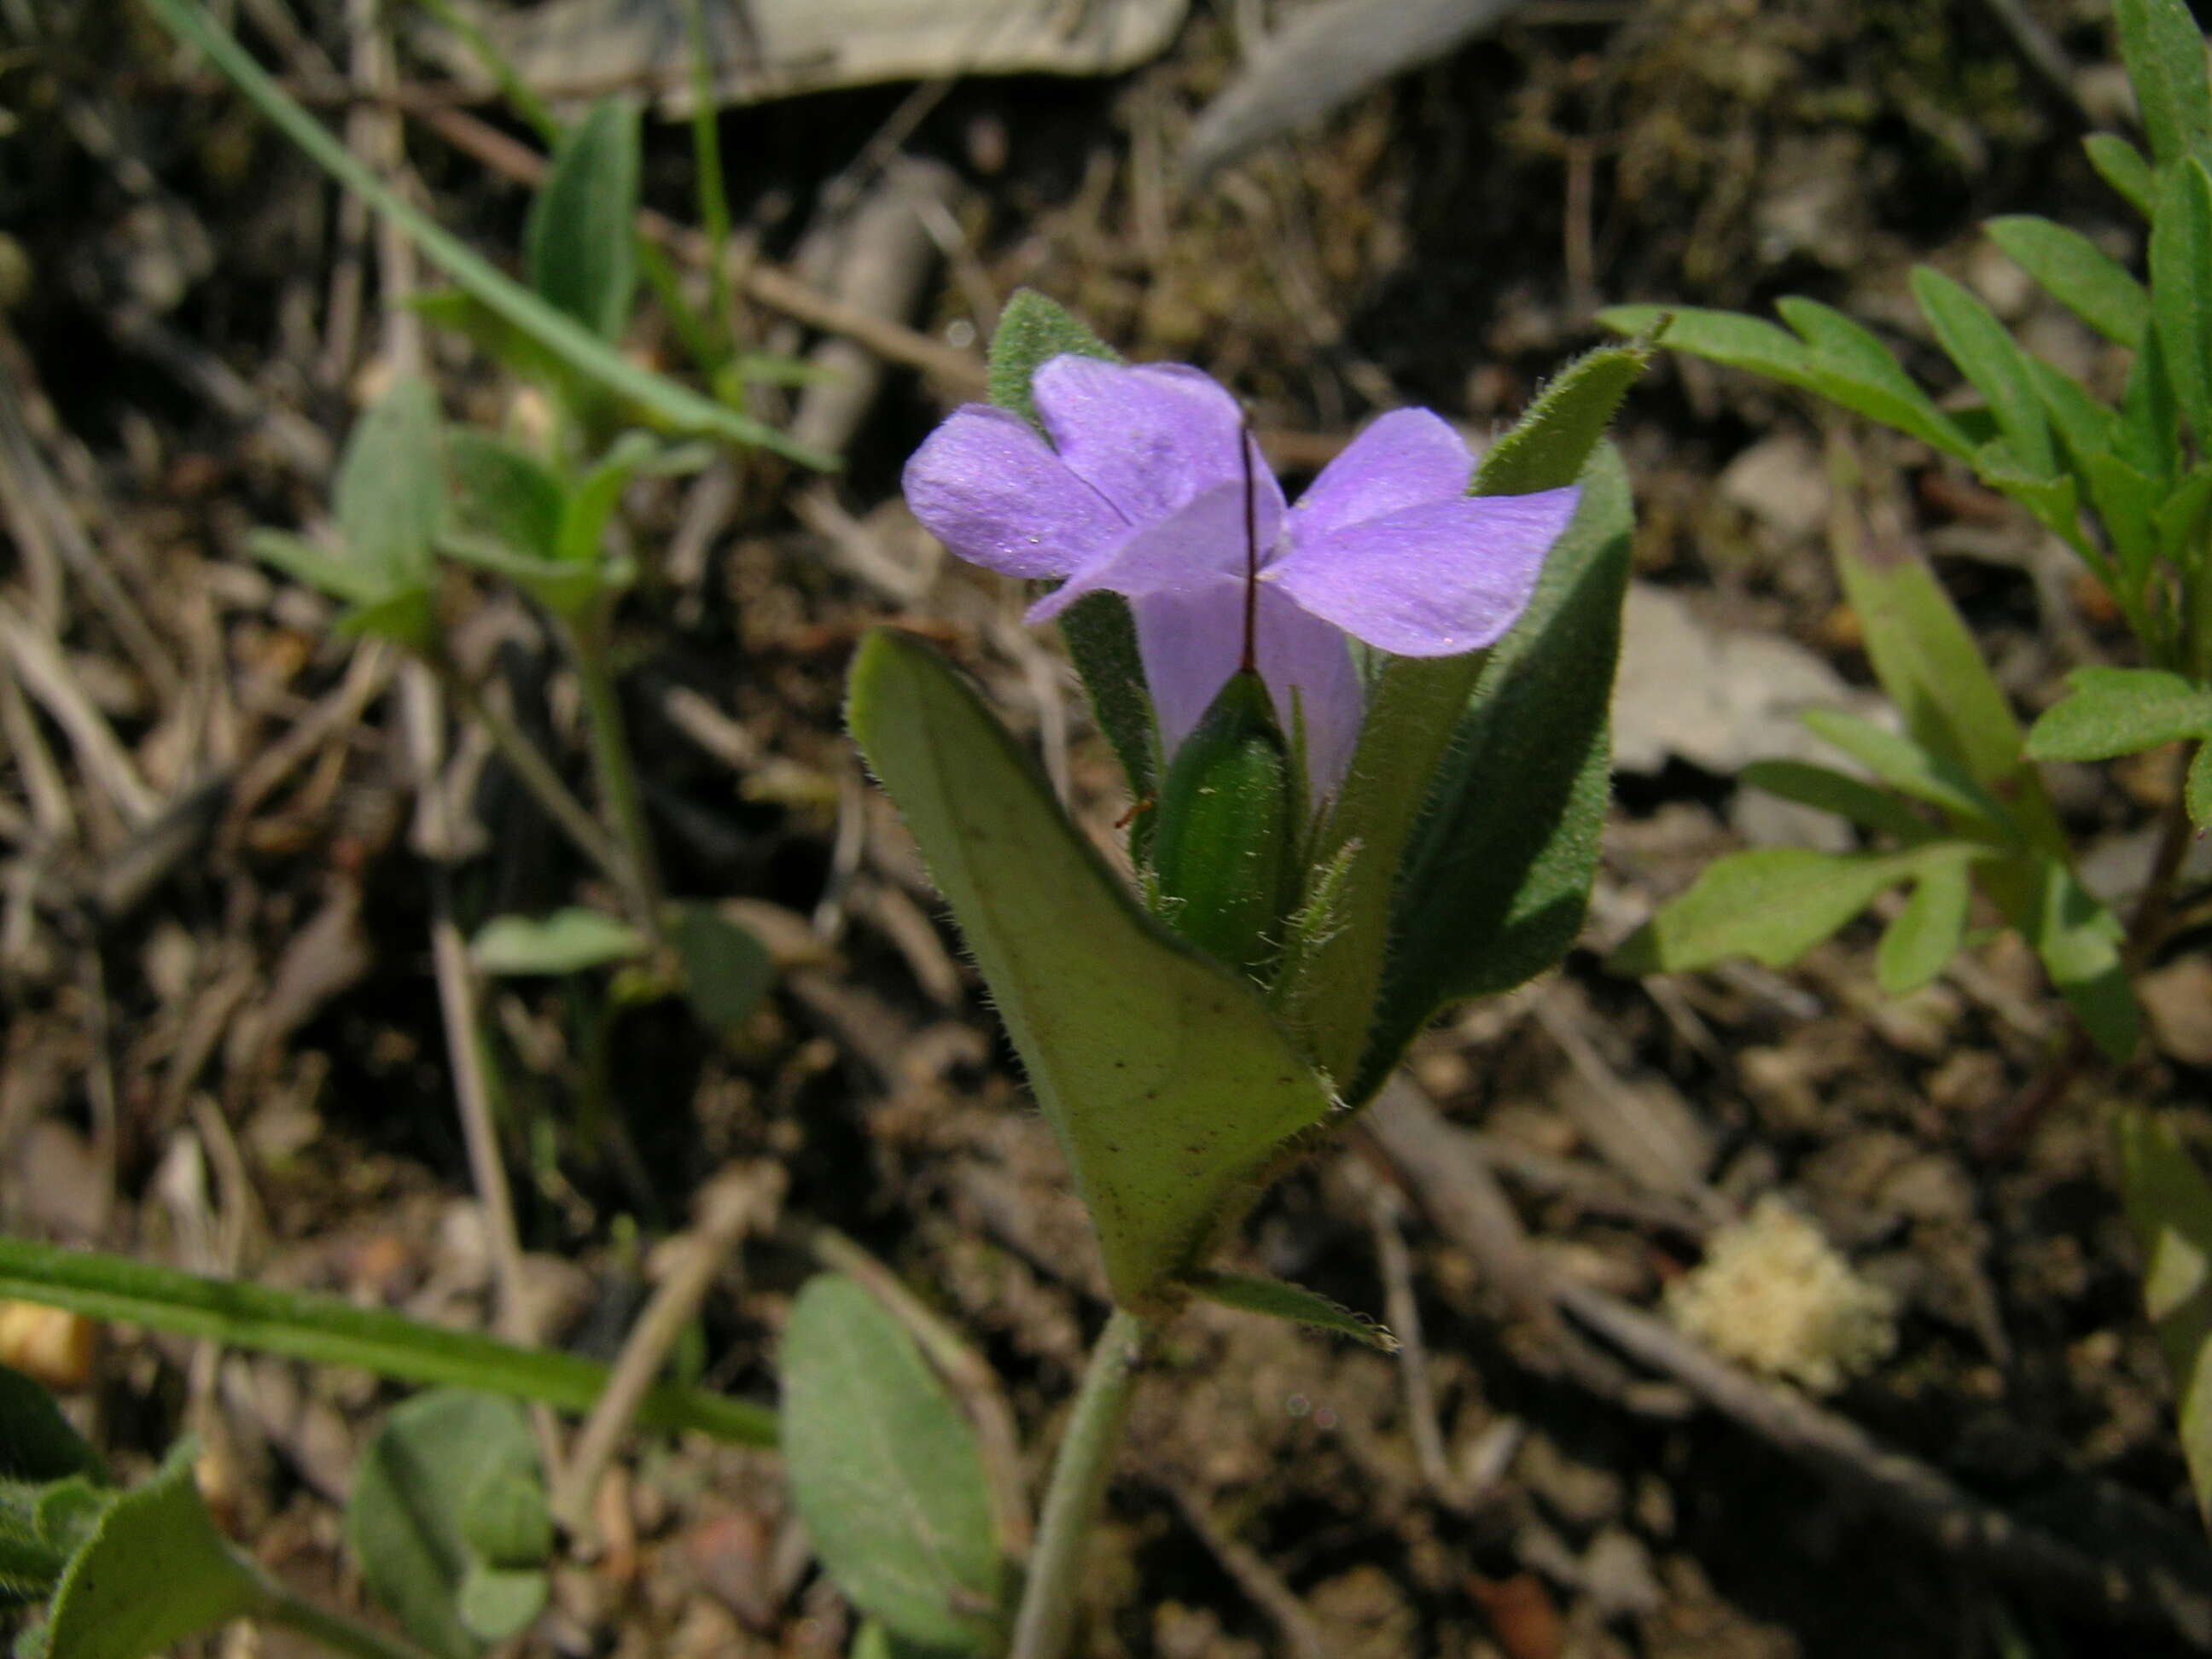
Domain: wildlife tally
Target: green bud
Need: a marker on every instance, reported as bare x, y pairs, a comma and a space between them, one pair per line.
1224, 853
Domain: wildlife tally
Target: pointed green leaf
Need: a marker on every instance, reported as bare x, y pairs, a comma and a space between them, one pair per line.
2119, 711
565, 942
1032, 330
582, 249
2164, 51
325, 569
2120, 165
2124, 497
1721, 336
2150, 414
2077, 273
389, 497
1415, 714
1166, 1080
2181, 289
1292, 1303
503, 496
2196, 788
1853, 368
1100, 631
1837, 359
2177, 521
1923, 936
886, 1473
1835, 792
2052, 498
154, 1572
1932, 671
1773, 905
1904, 765
1550, 444
591, 503
407, 1518
1495, 881
2086, 427
1989, 357
2169, 1208
2080, 942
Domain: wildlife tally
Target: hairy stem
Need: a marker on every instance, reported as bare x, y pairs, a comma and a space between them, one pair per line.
1080, 1474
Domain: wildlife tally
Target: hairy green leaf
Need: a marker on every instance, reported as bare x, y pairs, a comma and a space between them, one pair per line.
1495, 880
886, 1473
443, 1462
2077, 273
1924, 935
2079, 943
1292, 1303
2164, 51
1168, 1084
1836, 792
153, 1573
581, 249
2120, 165
1988, 356
1100, 631
1773, 905
1418, 708
2181, 289
2119, 711
1905, 766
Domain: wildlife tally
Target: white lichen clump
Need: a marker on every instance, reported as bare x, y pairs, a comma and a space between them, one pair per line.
1773, 1295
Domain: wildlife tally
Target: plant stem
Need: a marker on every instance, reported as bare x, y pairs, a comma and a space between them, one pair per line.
536, 774
333, 1630
1080, 1474
588, 642
707, 166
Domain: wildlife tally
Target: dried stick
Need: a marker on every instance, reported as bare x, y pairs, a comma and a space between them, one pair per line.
731, 1206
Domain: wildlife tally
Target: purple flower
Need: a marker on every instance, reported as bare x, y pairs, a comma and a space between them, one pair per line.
1141, 492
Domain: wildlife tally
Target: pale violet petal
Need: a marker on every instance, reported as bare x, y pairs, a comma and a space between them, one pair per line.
1429, 582
991, 491
1149, 437
1191, 642
1409, 458
1187, 552
1300, 653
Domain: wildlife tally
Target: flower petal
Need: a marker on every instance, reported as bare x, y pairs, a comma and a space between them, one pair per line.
1190, 551
987, 487
1191, 643
1429, 582
1410, 458
1149, 437
1298, 651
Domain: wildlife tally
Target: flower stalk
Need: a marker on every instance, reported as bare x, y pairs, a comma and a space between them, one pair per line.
1079, 1474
